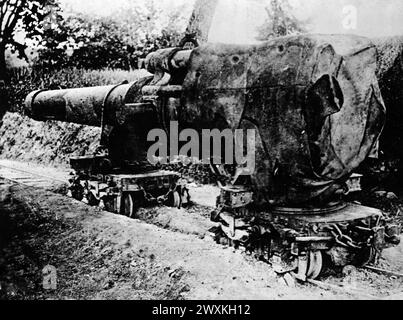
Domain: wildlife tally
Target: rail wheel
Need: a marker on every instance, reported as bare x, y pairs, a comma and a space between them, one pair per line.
175, 200
185, 197
109, 204
92, 199
128, 208
77, 191
315, 264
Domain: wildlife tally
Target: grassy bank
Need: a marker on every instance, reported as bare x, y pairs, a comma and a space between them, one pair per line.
51, 142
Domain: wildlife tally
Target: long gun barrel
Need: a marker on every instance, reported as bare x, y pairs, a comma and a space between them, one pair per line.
92, 106
111, 105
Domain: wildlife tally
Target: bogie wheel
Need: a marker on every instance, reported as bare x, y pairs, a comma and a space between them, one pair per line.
185, 197
175, 200
315, 264
77, 191
128, 208
92, 200
109, 204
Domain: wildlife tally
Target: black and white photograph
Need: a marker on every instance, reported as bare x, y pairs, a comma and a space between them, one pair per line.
201, 150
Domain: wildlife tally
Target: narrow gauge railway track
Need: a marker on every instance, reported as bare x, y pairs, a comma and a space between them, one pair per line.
29, 178
39, 180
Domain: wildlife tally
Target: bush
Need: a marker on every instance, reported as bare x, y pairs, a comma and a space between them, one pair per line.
25, 80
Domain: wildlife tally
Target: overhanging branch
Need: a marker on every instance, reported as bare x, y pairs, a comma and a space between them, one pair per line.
13, 18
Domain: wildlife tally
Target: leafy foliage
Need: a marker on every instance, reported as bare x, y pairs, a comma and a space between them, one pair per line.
22, 16
280, 21
84, 42
119, 41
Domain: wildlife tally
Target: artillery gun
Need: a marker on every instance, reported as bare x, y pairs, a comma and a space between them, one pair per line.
317, 111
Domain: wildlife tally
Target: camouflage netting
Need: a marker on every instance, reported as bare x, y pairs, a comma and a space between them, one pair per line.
313, 101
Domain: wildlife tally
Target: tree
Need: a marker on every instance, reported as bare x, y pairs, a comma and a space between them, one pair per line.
280, 21
148, 27
26, 16
118, 41
85, 42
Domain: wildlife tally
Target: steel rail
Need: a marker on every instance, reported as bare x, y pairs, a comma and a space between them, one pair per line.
32, 176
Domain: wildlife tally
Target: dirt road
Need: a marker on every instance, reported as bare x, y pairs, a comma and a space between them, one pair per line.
99, 255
